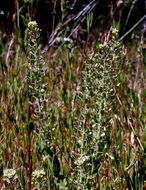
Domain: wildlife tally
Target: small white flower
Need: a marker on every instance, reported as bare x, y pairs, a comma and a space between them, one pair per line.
2, 12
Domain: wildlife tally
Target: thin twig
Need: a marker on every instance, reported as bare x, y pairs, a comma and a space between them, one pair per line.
129, 31
129, 14
138, 140
76, 18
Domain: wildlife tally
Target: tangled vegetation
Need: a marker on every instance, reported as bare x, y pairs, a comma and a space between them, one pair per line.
71, 118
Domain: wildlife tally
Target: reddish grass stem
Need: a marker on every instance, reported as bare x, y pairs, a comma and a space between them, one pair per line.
29, 153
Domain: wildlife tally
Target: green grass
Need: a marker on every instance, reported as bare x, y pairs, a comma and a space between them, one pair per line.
89, 130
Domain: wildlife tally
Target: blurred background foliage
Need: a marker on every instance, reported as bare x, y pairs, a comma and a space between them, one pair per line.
72, 94
51, 13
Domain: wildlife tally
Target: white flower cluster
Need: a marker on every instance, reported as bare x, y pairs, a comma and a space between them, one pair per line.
81, 160
65, 40
114, 31
9, 173
38, 173
32, 24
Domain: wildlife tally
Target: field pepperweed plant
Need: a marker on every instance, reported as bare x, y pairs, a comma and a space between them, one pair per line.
70, 120
98, 93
